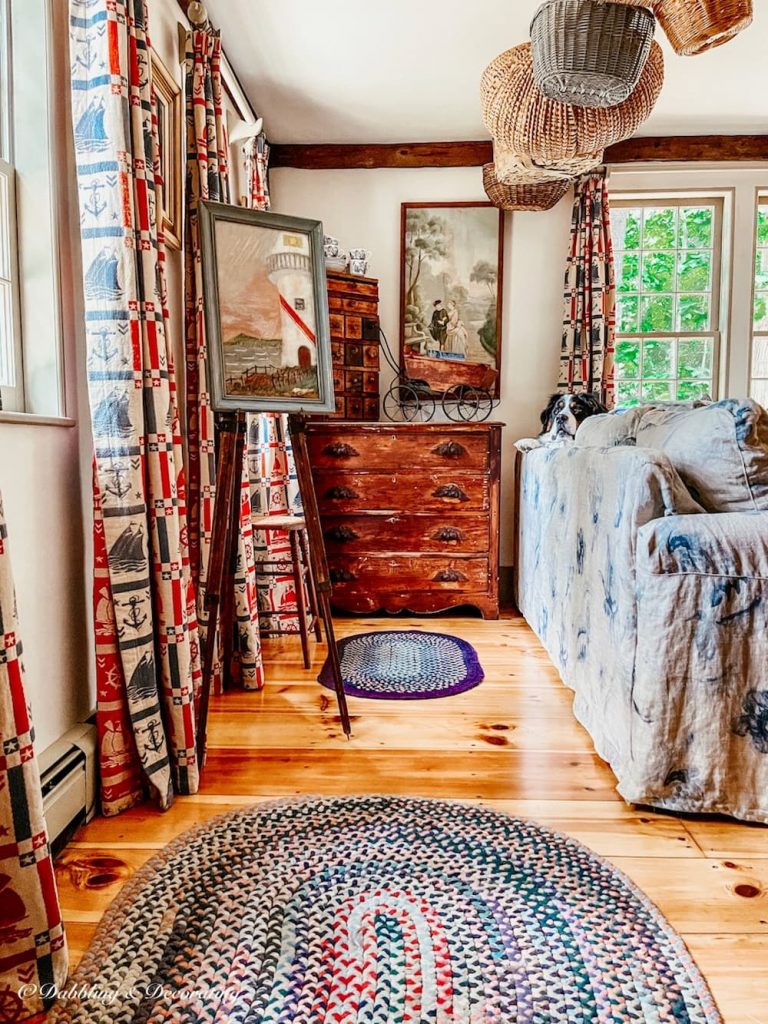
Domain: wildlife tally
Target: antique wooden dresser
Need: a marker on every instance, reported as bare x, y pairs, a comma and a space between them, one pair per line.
353, 304
410, 513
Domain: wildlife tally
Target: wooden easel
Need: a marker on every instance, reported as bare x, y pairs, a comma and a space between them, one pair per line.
226, 516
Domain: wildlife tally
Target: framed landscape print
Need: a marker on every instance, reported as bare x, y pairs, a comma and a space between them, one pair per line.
266, 310
168, 113
450, 294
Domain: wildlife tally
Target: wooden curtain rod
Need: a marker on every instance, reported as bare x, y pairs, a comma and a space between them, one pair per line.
650, 149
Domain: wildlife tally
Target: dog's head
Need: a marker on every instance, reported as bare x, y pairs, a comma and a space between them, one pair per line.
564, 413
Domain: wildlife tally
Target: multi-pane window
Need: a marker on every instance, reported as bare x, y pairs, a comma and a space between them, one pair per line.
667, 256
759, 385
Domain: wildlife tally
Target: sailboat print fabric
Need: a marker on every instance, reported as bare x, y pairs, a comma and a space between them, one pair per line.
147, 656
208, 179
33, 950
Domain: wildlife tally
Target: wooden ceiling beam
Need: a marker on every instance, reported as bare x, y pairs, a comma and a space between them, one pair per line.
647, 149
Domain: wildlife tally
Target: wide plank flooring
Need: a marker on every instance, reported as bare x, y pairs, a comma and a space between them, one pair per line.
511, 744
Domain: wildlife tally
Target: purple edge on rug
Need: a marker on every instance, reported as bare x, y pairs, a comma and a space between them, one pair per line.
473, 675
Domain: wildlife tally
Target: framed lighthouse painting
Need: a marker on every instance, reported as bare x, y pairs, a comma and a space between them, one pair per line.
266, 311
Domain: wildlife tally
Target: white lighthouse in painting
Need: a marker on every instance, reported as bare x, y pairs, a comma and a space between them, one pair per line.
290, 271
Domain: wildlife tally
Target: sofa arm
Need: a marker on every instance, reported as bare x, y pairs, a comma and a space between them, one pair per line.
732, 544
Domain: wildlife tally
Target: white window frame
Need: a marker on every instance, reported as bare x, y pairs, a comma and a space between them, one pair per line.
718, 289
761, 199
11, 357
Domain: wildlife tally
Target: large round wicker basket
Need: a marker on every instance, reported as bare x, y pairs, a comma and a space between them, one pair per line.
517, 169
694, 26
519, 117
531, 196
590, 52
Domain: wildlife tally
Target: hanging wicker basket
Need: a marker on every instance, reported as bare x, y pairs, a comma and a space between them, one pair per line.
695, 26
531, 196
590, 52
520, 118
516, 169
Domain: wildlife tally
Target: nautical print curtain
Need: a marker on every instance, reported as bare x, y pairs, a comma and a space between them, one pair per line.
33, 949
147, 651
589, 322
208, 179
273, 483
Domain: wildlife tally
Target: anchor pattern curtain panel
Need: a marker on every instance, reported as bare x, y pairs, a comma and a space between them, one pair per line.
589, 318
33, 950
147, 651
208, 179
274, 486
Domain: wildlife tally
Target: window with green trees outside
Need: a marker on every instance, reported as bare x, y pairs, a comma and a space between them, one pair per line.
668, 263
759, 388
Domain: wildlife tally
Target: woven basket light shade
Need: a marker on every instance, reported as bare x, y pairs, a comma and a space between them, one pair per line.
590, 52
531, 196
516, 169
519, 117
694, 26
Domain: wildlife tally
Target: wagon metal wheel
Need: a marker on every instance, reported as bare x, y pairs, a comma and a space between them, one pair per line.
401, 402
426, 405
476, 404
453, 403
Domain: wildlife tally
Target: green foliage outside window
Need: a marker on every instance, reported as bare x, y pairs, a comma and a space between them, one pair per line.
664, 283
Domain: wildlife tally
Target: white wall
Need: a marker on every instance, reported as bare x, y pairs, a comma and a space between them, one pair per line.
362, 208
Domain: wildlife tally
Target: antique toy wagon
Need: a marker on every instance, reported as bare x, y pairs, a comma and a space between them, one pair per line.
465, 390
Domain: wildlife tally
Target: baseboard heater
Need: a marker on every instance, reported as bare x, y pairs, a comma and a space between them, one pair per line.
68, 777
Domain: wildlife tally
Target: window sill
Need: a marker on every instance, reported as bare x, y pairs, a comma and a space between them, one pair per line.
31, 419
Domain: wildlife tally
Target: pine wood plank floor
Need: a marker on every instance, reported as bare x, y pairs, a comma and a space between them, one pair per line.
511, 744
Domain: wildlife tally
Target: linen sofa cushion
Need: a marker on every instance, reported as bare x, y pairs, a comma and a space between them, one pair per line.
720, 451
619, 427
732, 545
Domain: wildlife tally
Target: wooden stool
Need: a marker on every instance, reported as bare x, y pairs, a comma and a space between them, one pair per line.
303, 578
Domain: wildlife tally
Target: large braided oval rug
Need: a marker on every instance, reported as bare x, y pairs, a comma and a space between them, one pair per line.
383, 911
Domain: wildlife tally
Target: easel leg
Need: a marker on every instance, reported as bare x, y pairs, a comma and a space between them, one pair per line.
317, 557
227, 480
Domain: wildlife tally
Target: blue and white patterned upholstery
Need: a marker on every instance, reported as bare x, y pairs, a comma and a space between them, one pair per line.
656, 615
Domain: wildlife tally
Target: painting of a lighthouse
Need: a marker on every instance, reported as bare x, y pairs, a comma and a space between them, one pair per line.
266, 311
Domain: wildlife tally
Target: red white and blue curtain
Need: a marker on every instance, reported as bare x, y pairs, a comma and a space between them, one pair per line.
147, 651
589, 318
33, 949
273, 482
208, 179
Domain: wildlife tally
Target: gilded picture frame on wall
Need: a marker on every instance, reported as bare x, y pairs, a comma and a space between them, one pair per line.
266, 311
168, 104
451, 274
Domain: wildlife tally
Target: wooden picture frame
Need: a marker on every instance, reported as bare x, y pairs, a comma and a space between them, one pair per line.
266, 311
168, 111
471, 350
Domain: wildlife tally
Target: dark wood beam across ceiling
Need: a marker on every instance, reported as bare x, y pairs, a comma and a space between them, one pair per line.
649, 149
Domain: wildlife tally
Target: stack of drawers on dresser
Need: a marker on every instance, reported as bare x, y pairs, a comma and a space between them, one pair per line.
353, 303
410, 514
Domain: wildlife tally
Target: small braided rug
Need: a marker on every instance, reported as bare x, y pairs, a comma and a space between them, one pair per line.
405, 664
377, 910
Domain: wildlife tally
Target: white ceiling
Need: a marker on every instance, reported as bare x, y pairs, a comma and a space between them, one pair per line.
408, 70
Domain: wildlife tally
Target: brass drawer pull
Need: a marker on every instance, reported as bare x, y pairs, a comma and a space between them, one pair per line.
449, 535
340, 450
449, 576
342, 576
341, 494
341, 534
450, 450
450, 491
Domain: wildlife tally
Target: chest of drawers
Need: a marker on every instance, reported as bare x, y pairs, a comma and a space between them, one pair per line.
353, 305
410, 514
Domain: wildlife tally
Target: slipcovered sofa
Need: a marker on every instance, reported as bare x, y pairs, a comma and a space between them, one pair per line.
643, 569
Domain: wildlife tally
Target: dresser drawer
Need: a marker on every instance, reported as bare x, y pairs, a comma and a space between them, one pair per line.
385, 450
387, 574
441, 533
343, 492
350, 286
